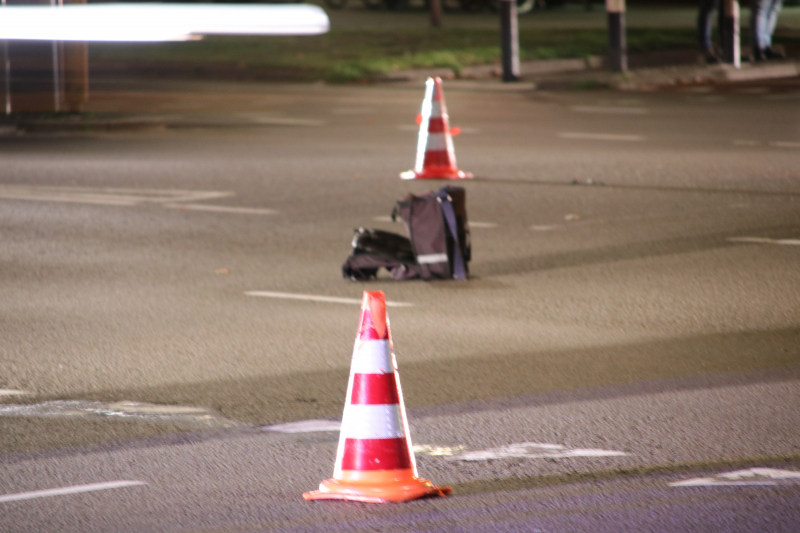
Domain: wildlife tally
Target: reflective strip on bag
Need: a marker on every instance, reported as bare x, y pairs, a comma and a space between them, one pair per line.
431, 258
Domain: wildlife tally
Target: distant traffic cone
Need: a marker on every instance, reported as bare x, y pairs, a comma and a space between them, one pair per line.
375, 460
436, 158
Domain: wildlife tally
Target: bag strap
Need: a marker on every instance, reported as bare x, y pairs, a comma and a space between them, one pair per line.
459, 270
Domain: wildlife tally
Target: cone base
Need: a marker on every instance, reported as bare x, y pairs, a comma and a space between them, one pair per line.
436, 174
370, 492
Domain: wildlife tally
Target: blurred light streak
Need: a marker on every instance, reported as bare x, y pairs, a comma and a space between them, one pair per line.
158, 22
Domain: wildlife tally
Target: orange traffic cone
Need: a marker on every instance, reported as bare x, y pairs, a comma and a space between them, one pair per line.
436, 158
375, 461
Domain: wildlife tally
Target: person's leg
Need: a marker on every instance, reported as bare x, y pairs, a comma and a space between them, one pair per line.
758, 27
704, 30
771, 20
704, 23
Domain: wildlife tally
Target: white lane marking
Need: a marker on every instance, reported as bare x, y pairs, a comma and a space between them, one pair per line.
438, 451
785, 144
471, 223
352, 111
765, 240
106, 196
287, 121
13, 392
305, 426
314, 298
750, 476
534, 450
610, 110
68, 490
223, 209
175, 414
272, 120
543, 228
745, 142
785, 96
577, 136
169, 198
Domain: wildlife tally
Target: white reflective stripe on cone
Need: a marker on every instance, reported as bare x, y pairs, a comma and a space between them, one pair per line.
436, 142
436, 109
428, 259
422, 142
372, 357
363, 421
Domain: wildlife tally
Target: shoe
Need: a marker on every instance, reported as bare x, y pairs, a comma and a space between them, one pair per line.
770, 53
758, 55
710, 57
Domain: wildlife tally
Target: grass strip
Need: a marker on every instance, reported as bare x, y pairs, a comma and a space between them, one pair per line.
348, 56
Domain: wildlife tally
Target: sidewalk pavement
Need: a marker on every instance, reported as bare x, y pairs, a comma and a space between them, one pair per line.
590, 73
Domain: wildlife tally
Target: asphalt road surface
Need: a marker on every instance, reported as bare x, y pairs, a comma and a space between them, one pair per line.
625, 356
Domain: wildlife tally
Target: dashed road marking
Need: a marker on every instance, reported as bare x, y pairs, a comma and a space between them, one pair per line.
765, 240
317, 298
438, 451
352, 111
223, 209
784, 96
534, 450
543, 228
282, 121
189, 416
305, 426
13, 392
75, 489
169, 198
784, 144
106, 195
750, 476
610, 110
578, 136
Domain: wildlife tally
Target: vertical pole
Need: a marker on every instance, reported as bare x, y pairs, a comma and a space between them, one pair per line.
436, 13
617, 49
56, 66
509, 35
6, 74
731, 45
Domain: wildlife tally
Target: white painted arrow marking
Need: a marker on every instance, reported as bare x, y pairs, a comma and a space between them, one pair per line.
765, 240
315, 298
535, 450
750, 476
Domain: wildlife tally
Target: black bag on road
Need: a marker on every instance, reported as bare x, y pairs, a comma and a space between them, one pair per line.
438, 244
374, 249
439, 232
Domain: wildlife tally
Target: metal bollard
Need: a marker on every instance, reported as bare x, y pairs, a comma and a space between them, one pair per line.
509, 35
731, 44
617, 48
